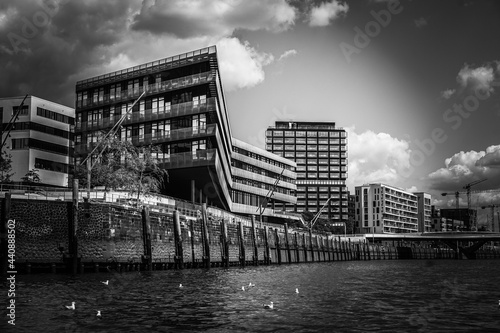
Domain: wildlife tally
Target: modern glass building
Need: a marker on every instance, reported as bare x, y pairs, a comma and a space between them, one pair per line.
320, 151
183, 112
41, 138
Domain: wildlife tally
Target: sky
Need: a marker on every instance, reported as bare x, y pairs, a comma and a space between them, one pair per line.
416, 84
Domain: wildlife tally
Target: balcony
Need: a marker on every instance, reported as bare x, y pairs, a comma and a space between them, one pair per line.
181, 109
173, 135
154, 88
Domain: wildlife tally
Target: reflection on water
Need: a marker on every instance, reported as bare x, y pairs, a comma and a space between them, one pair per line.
356, 296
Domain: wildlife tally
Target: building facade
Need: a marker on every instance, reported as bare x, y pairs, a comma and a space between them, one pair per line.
319, 150
467, 216
41, 138
183, 112
424, 211
383, 208
261, 179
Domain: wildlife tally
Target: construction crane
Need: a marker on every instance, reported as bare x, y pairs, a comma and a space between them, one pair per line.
469, 192
492, 215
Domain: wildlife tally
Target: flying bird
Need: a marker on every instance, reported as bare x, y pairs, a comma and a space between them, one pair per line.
296, 290
71, 307
105, 282
98, 315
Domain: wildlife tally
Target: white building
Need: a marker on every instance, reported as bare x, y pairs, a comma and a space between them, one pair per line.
41, 138
424, 211
383, 208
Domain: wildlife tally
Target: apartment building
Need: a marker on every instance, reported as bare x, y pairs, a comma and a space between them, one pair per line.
184, 113
424, 211
319, 150
40, 138
382, 208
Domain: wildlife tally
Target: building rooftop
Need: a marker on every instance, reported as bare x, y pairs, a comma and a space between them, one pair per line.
174, 61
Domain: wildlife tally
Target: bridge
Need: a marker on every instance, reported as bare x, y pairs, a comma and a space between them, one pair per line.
463, 243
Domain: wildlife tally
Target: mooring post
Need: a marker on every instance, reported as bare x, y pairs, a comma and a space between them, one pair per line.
297, 251
6, 202
320, 249
73, 223
241, 240
311, 244
254, 242
225, 245
179, 253
193, 254
146, 233
278, 245
304, 246
267, 259
206, 243
287, 245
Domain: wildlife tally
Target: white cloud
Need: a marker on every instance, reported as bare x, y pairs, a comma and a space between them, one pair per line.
195, 18
327, 11
448, 93
412, 189
479, 78
465, 167
420, 22
376, 157
287, 54
241, 65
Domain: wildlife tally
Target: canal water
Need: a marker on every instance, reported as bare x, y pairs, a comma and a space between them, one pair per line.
355, 296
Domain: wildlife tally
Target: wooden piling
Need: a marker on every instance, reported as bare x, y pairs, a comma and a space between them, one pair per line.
241, 238
179, 253
193, 253
287, 245
304, 245
206, 243
254, 243
311, 245
73, 223
267, 251
278, 245
225, 245
297, 251
146, 233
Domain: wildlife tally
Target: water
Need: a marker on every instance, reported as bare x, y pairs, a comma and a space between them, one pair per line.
355, 296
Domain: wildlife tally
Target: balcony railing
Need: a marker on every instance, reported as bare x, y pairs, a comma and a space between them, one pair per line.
178, 134
181, 109
153, 88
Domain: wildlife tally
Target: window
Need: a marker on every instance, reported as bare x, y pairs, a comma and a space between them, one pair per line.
55, 116
51, 165
24, 110
20, 144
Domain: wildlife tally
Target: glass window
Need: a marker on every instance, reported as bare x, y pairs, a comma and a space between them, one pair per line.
289, 133
300, 133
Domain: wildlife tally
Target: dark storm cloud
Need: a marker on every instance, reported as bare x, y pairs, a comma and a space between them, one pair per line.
44, 45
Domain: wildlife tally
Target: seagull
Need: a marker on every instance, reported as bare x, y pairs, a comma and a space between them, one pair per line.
98, 315
181, 286
251, 284
243, 288
296, 290
71, 307
499, 303
269, 306
105, 282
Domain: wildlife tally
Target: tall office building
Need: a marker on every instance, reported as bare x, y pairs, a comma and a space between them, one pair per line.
383, 208
41, 138
320, 151
184, 113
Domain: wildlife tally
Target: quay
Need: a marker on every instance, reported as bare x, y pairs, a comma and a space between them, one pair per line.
55, 235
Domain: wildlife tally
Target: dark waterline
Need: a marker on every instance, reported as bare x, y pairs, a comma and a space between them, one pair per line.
355, 296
